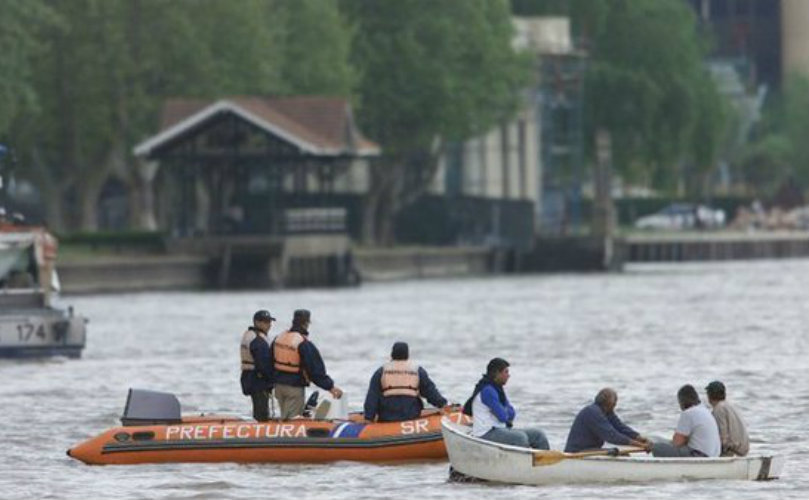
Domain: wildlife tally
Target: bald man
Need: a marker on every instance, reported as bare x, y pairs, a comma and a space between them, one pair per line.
597, 423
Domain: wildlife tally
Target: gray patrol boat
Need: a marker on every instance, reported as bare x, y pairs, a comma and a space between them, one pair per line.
30, 323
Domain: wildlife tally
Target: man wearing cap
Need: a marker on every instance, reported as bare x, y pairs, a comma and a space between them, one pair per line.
493, 415
397, 387
256, 367
732, 431
296, 362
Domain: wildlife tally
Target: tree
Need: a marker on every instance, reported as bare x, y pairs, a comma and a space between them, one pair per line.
429, 72
647, 85
642, 85
106, 66
317, 43
780, 151
709, 137
19, 46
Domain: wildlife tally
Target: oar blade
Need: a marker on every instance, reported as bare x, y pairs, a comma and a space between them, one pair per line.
548, 457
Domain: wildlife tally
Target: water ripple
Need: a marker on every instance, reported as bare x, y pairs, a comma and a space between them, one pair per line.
645, 332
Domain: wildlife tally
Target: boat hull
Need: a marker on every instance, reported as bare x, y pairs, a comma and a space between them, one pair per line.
480, 459
212, 439
40, 333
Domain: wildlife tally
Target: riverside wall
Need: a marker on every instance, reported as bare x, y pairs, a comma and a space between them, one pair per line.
182, 272
172, 272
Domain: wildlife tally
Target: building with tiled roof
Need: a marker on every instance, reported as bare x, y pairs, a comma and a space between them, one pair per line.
239, 164
320, 126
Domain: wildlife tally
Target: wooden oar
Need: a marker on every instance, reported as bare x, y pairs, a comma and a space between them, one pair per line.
550, 457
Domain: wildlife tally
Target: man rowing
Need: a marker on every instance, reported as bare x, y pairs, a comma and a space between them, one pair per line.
597, 423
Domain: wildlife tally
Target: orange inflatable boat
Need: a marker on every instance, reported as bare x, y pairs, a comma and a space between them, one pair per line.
154, 431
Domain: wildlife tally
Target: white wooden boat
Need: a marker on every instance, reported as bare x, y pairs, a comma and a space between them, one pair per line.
480, 459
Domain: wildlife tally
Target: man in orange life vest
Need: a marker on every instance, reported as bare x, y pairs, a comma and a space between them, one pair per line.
396, 388
257, 373
296, 361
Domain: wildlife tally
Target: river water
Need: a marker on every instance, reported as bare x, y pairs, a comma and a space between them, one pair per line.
644, 332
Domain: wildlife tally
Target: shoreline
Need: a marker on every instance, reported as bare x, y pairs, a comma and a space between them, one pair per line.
107, 272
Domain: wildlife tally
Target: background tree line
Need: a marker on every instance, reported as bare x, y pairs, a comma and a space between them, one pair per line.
82, 81
647, 83
87, 78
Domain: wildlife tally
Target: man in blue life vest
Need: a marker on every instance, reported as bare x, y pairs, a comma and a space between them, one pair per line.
397, 387
597, 423
296, 361
257, 375
493, 415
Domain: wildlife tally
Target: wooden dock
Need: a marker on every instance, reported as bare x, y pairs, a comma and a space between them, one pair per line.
711, 246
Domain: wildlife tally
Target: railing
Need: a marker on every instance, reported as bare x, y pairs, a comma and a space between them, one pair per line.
314, 220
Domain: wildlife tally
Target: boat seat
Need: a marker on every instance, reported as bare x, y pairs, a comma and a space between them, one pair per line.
322, 409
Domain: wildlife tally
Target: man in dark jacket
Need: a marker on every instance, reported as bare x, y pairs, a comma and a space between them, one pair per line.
296, 361
257, 374
597, 423
397, 387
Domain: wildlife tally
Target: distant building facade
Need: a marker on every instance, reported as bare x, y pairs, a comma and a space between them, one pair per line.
523, 176
766, 39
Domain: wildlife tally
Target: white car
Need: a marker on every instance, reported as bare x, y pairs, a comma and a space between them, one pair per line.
682, 216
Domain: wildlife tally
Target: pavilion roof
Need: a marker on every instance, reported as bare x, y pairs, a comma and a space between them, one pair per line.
321, 126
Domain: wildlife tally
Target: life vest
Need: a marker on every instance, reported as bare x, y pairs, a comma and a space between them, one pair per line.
285, 352
400, 378
247, 362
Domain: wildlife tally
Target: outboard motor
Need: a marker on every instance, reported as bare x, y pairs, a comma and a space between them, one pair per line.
151, 407
310, 405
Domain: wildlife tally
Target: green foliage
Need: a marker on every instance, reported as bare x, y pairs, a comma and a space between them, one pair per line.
430, 69
781, 150
646, 84
103, 69
19, 46
647, 65
795, 125
709, 135
428, 72
317, 44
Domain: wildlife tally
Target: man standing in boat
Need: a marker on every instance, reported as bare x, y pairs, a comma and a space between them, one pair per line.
696, 434
493, 415
257, 373
296, 361
396, 388
732, 431
597, 423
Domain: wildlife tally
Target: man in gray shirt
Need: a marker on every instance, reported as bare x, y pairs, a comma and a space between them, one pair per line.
732, 431
696, 435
